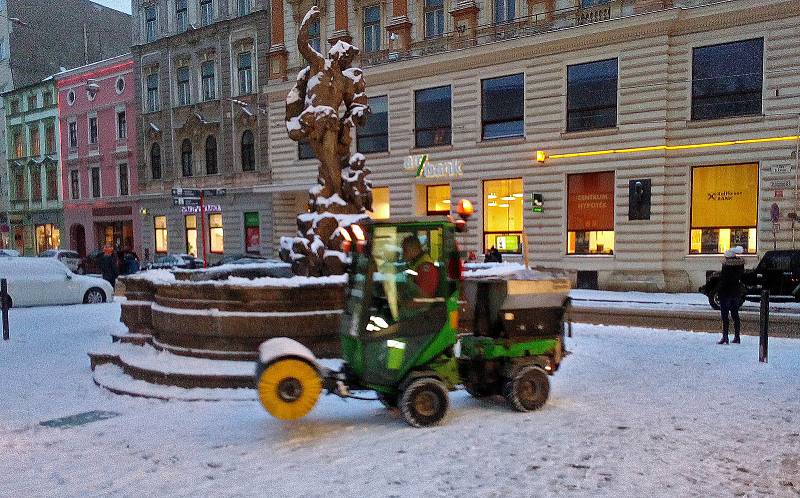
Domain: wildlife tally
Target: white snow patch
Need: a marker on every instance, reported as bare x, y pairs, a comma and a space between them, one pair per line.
283, 346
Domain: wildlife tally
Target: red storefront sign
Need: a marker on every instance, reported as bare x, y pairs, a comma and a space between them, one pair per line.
590, 202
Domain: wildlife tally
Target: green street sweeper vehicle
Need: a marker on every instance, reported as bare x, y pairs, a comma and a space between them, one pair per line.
400, 335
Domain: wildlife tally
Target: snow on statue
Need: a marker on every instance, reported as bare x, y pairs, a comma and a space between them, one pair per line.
343, 194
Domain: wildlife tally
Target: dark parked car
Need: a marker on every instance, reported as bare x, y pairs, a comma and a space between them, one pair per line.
778, 271
90, 264
172, 261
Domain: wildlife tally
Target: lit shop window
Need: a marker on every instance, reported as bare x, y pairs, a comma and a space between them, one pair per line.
380, 203
48, 237
724, 208
191, 234
160, 223
437, 200
503, 201
215, 236
590, 213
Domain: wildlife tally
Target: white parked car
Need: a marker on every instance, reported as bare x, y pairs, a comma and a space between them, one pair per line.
70, 258
46, 281
10, 253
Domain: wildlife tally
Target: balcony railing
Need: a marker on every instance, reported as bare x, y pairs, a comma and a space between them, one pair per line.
521, 27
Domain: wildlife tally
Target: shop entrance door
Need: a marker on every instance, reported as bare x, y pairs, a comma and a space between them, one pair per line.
117, 234
77, 237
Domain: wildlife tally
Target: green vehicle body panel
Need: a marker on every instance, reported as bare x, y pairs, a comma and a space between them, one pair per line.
489, 349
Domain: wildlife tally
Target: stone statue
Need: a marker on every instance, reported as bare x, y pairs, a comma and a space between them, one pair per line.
343, 194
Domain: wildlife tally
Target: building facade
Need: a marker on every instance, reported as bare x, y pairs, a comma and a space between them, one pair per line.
199, 65
33, 168
99, 156
629, 142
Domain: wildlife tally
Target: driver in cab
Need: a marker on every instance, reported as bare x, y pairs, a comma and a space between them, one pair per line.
421, 270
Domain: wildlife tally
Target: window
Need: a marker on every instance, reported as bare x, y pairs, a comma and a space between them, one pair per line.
215, 235
95, 175
208, 80
304, 150
181, 15
36, 146
245, 72
50, 139
372, 28
160, 224
152, 92
504, 10
590, 213
184, 95
190, 221
437, 200
20, 191
211, 155
19, 144
374, 135
243, 7
52, 182
122, 178
252, 233
74, 185
314, 35
186, 157
248, 151
432, 115
48, 236
724, 208
73, 135
71, 97
150, 23
592, 95
206, 12
727, 79
32, 102
380, 203
503, 202
120, 85
15, 105
93, 130
36, 184
434, 18
47, 99
502, 107
155, 162
122, 126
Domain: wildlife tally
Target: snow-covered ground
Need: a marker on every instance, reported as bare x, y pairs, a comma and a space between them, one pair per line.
633, 412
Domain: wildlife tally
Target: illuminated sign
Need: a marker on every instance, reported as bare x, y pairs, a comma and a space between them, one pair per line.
209, 208
425, 168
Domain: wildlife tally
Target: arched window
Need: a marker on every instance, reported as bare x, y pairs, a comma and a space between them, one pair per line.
186, 157
248, 151
211, 155
155, 161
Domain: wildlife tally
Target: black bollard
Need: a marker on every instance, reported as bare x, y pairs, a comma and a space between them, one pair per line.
764, 327
4, 305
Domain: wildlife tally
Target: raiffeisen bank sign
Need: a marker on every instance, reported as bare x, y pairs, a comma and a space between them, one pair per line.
423, 167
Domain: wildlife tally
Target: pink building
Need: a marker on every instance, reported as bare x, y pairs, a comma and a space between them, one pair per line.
97, 118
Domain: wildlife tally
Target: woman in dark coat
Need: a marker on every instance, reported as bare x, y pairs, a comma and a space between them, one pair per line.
729, 290
108, 266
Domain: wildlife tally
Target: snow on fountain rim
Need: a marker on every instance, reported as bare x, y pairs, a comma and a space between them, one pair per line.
165, 277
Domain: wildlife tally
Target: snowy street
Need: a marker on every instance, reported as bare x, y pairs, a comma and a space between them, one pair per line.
632, 412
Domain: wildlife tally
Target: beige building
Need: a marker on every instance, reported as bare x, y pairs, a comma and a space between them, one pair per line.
629, 141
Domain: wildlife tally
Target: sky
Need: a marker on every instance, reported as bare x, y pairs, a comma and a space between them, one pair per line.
122, 5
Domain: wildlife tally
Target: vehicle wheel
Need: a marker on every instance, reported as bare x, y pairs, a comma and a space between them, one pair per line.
713, 299
388, 400
478, 390
528, 390
94, 296
424, 402
288, 389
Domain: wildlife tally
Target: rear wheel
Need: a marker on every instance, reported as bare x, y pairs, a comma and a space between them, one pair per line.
713, 299
94, 296
288, 389
424, 402
528, 390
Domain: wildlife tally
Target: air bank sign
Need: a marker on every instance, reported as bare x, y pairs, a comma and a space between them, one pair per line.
423, 167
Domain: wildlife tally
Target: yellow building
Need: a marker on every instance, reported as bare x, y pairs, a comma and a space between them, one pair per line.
629, 141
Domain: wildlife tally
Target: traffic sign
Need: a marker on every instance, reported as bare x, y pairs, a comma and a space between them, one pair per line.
186, 201
186, 192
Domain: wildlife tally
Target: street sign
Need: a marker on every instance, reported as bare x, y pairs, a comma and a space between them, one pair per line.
186, 201
780, 169
537, 203
186, 192
214, 192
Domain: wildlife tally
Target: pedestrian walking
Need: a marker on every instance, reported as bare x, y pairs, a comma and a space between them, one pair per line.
729, 290
108, 265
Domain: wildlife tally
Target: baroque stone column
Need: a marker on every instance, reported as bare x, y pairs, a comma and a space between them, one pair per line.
278, 55
399, 27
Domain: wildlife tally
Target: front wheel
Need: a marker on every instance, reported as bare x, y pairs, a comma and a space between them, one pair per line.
424, 402
713, 299
528, 390
94, 296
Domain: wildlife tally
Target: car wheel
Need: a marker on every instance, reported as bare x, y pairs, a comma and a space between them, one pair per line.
94, 296
713, 299
528, 390
424, 402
